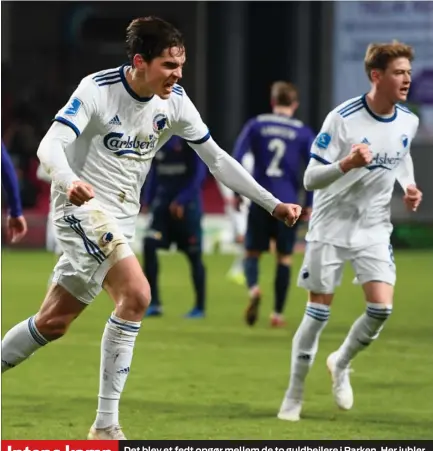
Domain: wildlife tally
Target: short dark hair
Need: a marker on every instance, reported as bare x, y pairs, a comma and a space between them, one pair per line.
150, 36
378, 56
284, 93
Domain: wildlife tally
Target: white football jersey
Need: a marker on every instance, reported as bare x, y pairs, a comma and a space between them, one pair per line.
118, 134
354, 211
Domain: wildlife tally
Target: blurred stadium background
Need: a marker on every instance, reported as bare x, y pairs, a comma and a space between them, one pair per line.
197, 376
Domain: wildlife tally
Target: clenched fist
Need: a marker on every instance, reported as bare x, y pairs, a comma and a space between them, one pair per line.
80, 192
288, 213
16, 228
360, 156
412, 198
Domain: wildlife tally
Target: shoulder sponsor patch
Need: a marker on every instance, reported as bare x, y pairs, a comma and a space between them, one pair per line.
323, 140
73, 107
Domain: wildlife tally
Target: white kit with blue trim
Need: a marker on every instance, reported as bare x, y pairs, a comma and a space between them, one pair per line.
118, 134
355, 209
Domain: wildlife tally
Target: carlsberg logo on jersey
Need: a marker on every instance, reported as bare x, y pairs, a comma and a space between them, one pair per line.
120, 145
385, 161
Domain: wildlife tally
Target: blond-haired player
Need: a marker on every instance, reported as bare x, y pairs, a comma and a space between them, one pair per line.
361, 150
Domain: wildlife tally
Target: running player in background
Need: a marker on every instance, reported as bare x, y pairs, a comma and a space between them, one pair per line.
237, 215
281, 146
98, 152
51, 242
16, 224
172, 193
362, 149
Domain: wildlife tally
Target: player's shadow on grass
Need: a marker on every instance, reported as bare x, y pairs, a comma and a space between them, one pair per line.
392, 419
248, 340
184, 411
57, 408
190, 411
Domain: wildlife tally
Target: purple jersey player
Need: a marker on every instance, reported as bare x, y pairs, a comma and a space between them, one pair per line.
16, 223
280, 146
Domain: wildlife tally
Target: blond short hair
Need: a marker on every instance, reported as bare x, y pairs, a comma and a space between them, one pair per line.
378, 56
284, 93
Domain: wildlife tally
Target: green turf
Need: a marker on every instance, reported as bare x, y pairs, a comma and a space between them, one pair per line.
216, 378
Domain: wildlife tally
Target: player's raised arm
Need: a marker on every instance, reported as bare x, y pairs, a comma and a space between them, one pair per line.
332, 155
68, 124
225, 168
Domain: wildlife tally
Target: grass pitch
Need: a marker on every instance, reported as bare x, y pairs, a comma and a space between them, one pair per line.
216, 378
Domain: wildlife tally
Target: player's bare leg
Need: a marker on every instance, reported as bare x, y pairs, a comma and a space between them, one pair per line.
251, 266
129, 289
56, 314
281, 286
366, 328
305, 344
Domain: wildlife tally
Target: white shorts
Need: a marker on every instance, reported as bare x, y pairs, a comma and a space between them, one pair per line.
322, 269
92, 244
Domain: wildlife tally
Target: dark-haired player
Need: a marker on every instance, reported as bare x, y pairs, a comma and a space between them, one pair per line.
97, 154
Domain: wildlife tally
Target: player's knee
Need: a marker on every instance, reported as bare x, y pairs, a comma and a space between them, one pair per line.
195, 256
284, 259
252, 254
135, 299
378, 292
320, 298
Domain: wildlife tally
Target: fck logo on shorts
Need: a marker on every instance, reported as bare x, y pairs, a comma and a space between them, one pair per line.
107, 237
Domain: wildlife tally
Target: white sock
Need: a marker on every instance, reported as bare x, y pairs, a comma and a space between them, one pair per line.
20, 342
116, 355
305, 345
238, 264
364, 330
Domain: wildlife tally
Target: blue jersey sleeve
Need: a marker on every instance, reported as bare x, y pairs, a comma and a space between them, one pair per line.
10, 184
